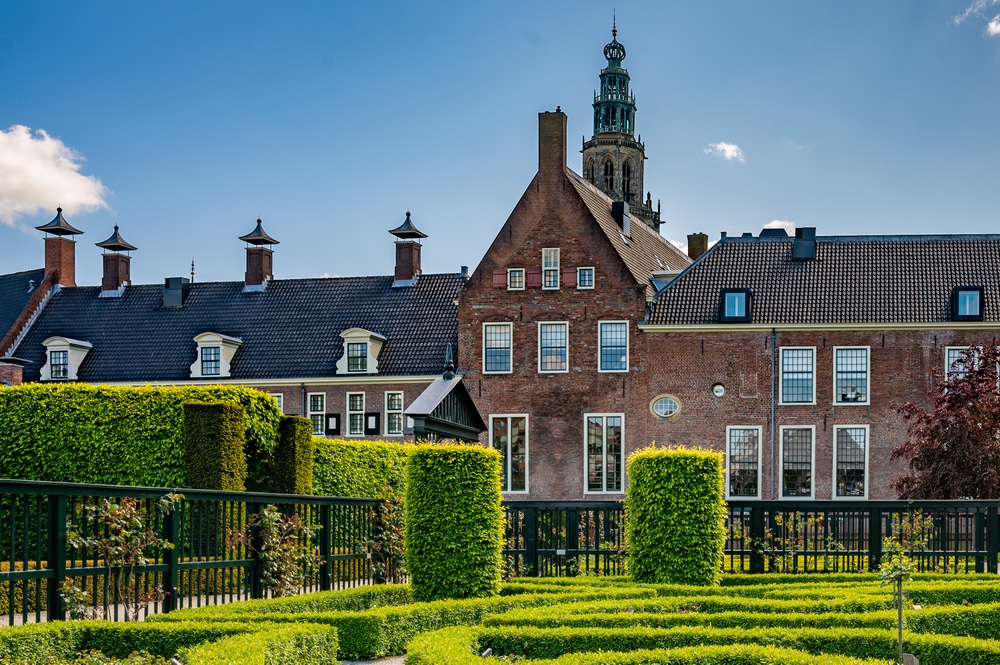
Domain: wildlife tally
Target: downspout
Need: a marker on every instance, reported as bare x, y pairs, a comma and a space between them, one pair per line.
302, 387
774, 364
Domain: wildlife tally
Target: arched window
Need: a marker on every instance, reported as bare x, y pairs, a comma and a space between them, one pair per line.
609, 176
627, 181
588, 171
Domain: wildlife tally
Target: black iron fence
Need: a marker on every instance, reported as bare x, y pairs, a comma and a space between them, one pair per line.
41, 522
554, 539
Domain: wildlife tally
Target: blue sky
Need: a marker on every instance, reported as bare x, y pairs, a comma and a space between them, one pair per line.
183, 122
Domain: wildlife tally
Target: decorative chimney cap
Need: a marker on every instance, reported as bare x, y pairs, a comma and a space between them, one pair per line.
116, 243
11, 360
259, 236
407, 231
59, 226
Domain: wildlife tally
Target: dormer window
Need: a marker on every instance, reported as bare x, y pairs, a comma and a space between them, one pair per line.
550, 268
734, 306
967, 303
361, 349
63, 358
215, 355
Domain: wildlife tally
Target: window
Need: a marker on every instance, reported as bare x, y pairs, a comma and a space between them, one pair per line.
797, 370
59, 364
515, 279
509, 435
850, 461
497, 348
280, 398
553, 353
317, 412
734, 306
609, 176
394, 414
550, 268
584, 278
967, 303
850, 375
627, 181
743, 468
954, 366
357, 357
796, 462
210, 359
613, 345
356, 414
665, 406
604, 439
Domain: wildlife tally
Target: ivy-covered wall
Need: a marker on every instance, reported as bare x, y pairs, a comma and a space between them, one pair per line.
359, 469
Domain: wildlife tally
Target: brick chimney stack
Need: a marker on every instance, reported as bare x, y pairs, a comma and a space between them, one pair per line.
407, 251
117, 264
11, 371
551, 143
259, 258
697, 245
60, 250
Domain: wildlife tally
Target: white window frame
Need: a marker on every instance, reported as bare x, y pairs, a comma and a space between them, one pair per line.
868, 376
510, 274
604, 462
550, 269
781, 463
76, 350
868, 447
374, 343
217, 360
506, 455
781, 375
388, 412
280, 397
565, 325
948, 350
593, 278
310, 413
600, 347
350, 412
510, 348
760, 462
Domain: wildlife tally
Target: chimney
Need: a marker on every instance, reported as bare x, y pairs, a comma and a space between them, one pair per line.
697, 245
116, 265
175, 290
259, 258
407, 252
11, 371
60, 249
805, 244
552, 142
619, 210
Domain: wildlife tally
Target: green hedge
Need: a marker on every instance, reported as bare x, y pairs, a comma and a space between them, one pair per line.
303, 644
359, 469
675, 515
454, 521
214, 444
118, 435
293, 459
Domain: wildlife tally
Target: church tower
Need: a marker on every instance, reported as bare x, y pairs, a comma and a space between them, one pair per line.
613, 158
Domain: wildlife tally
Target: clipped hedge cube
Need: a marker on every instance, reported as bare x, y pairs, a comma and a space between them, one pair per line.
293, 459
214, 443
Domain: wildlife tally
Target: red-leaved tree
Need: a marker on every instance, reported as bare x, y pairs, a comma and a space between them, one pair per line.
953, 450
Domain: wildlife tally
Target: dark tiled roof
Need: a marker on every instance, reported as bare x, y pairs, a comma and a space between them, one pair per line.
290, 330
14, 295
853, 279
645, 252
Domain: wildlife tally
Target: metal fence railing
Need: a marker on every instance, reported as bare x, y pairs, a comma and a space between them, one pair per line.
548, 539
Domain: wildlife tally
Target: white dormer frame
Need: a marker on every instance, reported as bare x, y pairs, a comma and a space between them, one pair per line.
373, 346
227, 349
76, 351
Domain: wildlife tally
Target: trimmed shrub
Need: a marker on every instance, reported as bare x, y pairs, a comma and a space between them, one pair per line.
454, 522
293, 459
359, 469
675, 526
119, 435
214, 443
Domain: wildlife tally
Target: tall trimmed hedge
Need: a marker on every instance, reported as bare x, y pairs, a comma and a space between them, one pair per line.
214, 442
293, 460
676, 516
359, 469
454, 521
119, 435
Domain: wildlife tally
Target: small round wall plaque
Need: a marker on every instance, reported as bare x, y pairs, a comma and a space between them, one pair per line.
718, 390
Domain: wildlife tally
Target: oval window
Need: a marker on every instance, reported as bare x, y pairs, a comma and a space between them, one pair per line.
665, 406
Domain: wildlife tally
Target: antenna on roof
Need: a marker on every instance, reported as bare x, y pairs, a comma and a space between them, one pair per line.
192, 270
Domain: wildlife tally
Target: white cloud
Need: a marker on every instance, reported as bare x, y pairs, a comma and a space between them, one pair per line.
781, 224
727, 151
39, 173
993, 28
978, 10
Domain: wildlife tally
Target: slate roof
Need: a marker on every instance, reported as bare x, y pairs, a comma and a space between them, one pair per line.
290, 330
645, 252
14, 295
853, 279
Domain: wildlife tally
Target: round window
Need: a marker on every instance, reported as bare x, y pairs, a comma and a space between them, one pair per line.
665, 406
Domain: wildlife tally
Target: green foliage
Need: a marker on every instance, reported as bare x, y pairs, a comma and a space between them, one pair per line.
303, 644
93, 657
387, 542
118, 435
675, 515
359, 469
214, 443
284, 546
454, 521
292, 471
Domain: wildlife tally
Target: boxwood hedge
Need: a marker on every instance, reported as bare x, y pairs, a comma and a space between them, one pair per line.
359, 469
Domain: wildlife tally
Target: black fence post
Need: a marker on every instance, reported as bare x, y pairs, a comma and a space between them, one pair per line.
171, 579
56, 555
256, 574
874, 538
531, 540
326, 547
981, 526
756, 536
992, 540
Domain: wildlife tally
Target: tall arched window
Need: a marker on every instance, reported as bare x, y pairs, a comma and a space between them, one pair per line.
588, 171
609, 175
627, 181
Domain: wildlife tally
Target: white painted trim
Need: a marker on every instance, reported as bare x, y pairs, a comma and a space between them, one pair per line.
593, 278
345, 429
76, 350
310, 413
280, 397
760, 462
781, 463
373, 342
527, 448
604, 455
539, 340
868, 376
558, 269
510, 329
350, 380
524, 277
781, 376
600, 338
868, 447
833, 327
386, 412
228, 346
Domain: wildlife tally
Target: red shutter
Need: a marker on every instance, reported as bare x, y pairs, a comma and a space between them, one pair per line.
533, 278
569, 278
499, 279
